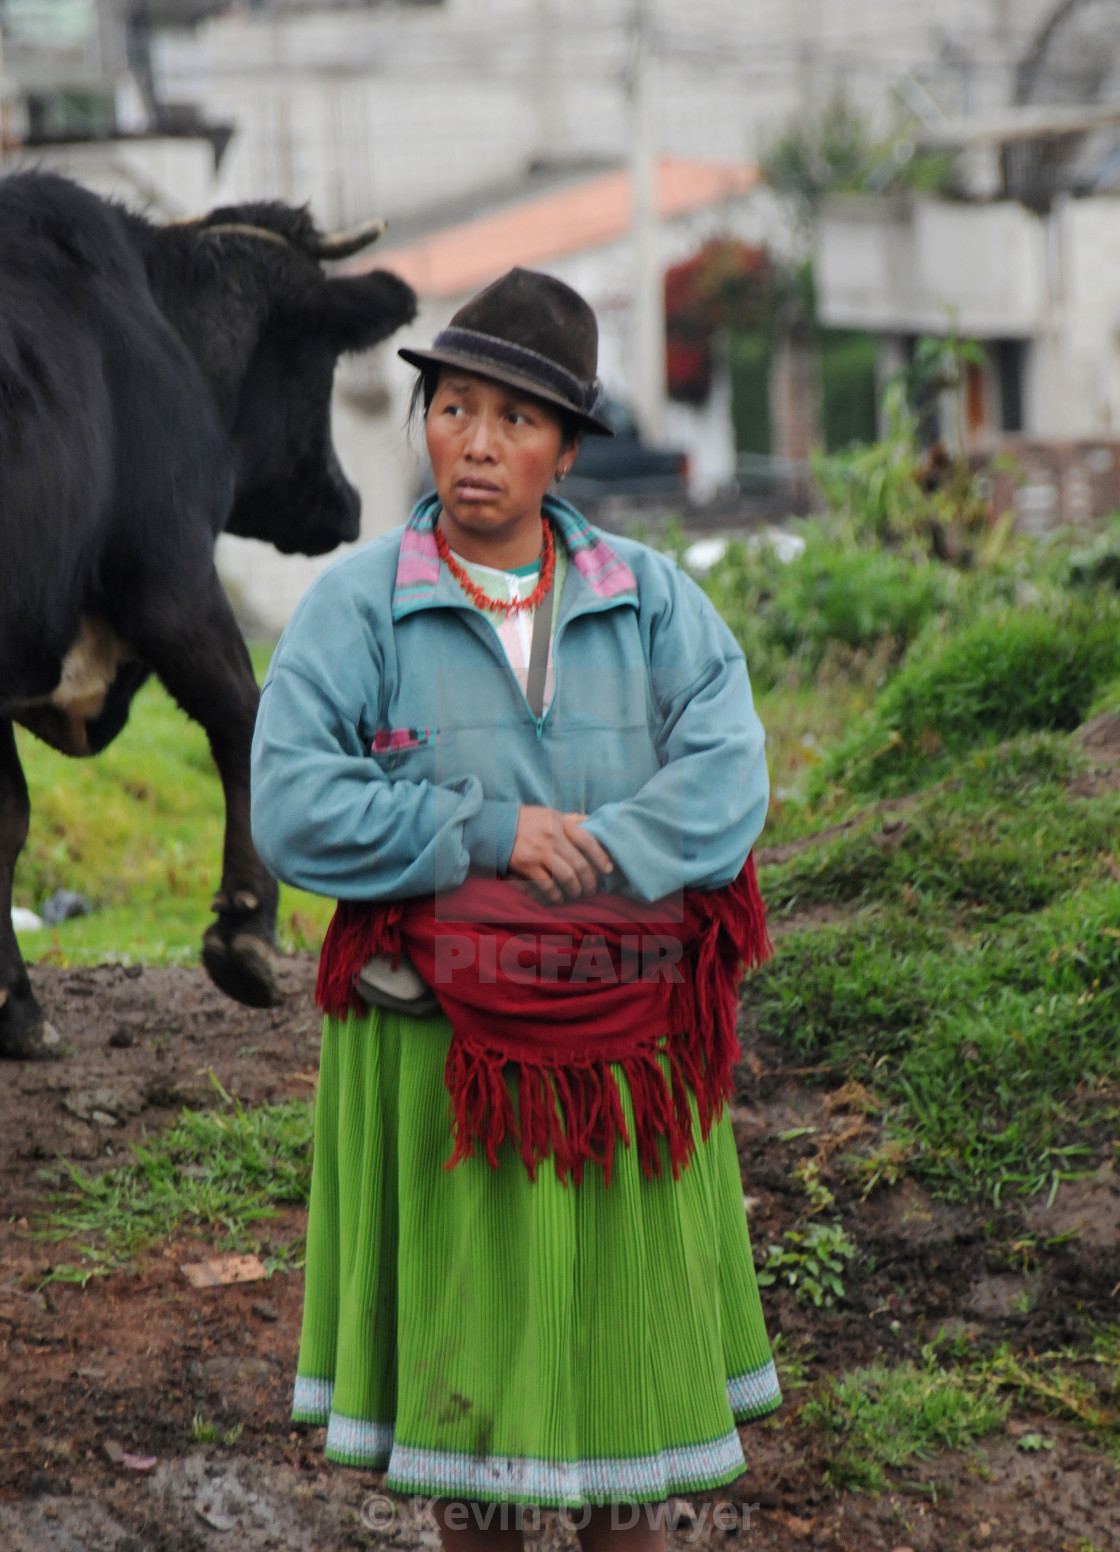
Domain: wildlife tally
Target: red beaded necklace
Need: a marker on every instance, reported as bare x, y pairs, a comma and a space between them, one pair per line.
498, 605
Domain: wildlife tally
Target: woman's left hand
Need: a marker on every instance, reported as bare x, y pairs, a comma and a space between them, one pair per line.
553, 852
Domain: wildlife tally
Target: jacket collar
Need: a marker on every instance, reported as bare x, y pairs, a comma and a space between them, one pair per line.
419, 582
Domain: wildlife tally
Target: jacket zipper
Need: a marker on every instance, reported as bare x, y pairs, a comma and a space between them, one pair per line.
543, 718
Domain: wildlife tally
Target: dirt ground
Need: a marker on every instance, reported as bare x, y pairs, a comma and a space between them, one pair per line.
123, 1365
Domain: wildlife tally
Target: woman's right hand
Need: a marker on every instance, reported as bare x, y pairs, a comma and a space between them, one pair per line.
553, 852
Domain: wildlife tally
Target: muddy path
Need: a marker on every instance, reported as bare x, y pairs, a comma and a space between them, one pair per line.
93, 1379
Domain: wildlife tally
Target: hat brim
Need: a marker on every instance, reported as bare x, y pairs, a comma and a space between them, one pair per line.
479, 367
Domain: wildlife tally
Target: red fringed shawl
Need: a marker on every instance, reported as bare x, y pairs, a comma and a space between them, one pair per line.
563, 992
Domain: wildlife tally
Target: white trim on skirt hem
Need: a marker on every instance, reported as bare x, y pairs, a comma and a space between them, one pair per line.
409, 1468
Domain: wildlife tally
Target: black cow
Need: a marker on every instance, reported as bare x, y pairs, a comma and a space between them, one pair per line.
158, 385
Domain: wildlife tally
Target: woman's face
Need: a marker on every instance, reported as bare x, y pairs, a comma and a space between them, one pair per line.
494, 453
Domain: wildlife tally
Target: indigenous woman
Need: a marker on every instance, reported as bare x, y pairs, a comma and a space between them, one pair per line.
525, 760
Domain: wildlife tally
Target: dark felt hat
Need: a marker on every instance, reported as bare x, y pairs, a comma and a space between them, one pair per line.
532, 332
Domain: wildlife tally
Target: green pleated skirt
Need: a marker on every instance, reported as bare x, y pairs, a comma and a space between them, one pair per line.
480, 1335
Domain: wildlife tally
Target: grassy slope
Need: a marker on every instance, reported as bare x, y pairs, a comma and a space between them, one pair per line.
972, 980
951, 899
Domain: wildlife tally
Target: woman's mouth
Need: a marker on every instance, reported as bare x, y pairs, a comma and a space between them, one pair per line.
476, 490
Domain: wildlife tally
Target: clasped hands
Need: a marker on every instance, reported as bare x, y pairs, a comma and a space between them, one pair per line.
556, 856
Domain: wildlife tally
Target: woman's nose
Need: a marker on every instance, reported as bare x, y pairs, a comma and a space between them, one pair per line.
480, 441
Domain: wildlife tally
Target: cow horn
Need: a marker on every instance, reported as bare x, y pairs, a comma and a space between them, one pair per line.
343, 245
242, 229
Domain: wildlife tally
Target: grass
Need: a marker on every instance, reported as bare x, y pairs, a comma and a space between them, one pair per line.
138, 830
1005, 673
205, 1432
221, 1172
876, 1420
1077, 1385
972, 980
1005, 835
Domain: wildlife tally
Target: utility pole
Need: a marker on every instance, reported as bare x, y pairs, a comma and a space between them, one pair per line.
544, 105
648, 305
9, 138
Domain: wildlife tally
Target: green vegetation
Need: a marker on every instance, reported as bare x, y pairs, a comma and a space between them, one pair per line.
204, 1432
748, 364
880, 1419
1080, 1387
834, 598
1008, 672
849, 408
810, 1261
220, 1171
836, 152
951, 896
977, 988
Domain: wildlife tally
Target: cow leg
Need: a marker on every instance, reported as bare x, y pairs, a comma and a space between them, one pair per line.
194, 645
24, 1032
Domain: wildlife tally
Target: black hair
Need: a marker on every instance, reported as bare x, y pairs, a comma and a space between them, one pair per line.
424, 391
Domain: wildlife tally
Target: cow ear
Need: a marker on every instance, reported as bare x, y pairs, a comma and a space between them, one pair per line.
355, 312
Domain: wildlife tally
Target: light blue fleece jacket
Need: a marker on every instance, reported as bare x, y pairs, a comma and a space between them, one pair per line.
394, 746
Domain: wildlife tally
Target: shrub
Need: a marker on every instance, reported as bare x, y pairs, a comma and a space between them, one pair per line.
786, 616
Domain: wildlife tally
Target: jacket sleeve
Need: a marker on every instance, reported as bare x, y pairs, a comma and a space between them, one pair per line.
325, 816
694, 822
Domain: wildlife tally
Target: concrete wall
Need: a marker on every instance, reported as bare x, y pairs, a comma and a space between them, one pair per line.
1050, 483
991, 272
913, 266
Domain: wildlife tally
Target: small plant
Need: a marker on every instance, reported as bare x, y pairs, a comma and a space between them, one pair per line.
810, 1262
63, 1272
880, 1418
807, 1173
792, 1359
1052, 1380
885, 1165
204, 1432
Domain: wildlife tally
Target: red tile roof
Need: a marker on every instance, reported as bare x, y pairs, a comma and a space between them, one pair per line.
590, 214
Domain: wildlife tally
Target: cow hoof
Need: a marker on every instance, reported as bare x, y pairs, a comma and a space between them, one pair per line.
243, 966
33, 1041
